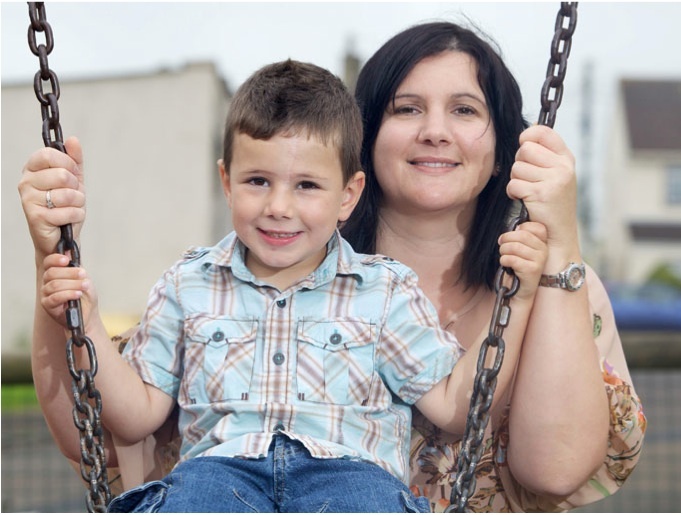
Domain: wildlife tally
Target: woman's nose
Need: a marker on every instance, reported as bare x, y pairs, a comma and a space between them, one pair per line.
435, 130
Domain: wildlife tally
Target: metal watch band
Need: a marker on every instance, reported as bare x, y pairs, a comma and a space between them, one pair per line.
570, 279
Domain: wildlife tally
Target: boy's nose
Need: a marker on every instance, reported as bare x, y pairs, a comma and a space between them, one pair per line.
279, 203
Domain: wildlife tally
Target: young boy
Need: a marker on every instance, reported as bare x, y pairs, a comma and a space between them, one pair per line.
294, 360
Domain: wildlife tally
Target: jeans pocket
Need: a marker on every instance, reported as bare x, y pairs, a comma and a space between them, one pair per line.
414, 504
147, 498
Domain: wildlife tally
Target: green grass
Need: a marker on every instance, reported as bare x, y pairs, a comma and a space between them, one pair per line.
18, 397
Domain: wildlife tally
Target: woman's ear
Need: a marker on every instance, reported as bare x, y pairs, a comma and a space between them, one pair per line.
224, 179
351, 194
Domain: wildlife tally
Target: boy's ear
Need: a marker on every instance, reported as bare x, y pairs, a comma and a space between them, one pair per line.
224, 179
351, 194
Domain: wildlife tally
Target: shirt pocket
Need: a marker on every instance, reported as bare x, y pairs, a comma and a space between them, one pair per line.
336, 360
220, 355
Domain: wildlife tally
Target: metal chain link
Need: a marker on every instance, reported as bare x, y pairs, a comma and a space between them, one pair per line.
486, 377
87, 400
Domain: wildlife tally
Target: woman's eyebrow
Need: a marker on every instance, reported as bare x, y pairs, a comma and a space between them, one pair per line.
456, 96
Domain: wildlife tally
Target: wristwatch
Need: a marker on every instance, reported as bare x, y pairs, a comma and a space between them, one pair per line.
570, 279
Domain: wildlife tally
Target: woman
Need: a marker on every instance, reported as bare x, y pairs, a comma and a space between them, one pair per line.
443, 123
441, 151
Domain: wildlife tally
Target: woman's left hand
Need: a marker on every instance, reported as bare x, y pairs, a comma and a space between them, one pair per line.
543, 177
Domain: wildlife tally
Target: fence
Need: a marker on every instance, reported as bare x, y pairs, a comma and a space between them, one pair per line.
35, 477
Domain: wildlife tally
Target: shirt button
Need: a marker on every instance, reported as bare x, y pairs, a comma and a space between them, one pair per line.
335, 338
279, 427
281, 303
278, 358
218, 336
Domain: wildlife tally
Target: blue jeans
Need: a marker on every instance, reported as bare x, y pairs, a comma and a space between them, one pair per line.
288, 480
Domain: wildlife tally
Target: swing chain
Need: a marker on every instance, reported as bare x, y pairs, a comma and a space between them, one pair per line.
486, 377
557, 68
87, 400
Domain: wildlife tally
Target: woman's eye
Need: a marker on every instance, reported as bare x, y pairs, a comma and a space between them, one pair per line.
465, 110
406, 109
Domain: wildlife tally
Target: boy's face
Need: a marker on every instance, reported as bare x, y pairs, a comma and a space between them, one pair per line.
286, 195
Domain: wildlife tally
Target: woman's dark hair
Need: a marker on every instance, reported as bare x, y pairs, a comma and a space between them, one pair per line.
376, 86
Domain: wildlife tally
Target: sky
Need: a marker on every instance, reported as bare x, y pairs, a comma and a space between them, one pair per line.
615, 40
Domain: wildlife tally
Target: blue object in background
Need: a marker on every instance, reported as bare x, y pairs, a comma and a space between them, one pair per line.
648, 307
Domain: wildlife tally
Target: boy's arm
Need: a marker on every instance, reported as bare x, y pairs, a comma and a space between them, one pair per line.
525, 251
131, 409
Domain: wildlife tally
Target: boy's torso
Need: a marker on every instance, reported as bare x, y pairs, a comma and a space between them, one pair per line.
318, 362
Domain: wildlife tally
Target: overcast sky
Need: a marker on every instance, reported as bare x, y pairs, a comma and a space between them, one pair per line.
624, 39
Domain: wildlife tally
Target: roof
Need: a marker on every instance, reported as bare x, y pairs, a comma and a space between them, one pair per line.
653, 113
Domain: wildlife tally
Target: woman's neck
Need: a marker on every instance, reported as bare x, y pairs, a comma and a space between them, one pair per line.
432, 246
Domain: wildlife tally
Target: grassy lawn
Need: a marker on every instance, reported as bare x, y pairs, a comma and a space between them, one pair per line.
18, 397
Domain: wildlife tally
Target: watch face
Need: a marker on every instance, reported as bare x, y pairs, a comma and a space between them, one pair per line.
575, 277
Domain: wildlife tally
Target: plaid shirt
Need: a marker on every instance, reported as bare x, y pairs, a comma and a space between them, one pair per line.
334, 361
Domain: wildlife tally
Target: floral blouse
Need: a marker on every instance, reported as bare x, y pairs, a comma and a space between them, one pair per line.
434, 456
433, 460
434, 453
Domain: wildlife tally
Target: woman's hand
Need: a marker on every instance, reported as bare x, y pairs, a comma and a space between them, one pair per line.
49, 170
543, 177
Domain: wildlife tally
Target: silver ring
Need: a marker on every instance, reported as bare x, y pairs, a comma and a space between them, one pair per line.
48, 199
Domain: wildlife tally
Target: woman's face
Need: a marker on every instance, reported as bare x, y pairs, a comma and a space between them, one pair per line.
435, 148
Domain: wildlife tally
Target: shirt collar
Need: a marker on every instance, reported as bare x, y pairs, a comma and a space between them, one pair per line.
340, 259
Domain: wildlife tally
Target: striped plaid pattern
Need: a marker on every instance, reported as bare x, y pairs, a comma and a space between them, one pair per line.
335, 361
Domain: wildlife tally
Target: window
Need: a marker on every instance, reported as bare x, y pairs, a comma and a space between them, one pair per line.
674, 184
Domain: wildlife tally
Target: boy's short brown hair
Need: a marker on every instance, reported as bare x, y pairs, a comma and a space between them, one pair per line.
291, 98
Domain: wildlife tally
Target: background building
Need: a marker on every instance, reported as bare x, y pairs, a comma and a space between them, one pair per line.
642, 205
151, 143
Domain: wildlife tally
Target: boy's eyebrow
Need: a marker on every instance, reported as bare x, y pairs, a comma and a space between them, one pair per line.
298, 175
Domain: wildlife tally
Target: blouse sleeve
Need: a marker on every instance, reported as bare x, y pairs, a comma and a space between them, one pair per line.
627, 421
434, 453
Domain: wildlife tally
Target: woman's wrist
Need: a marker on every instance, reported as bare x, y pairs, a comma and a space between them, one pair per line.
561, 254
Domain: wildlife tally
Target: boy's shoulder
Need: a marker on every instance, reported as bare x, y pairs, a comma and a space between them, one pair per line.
380, 264
193, 253
221, 252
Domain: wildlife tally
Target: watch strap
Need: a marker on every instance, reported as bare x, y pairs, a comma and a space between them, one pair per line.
552, 281
564, 279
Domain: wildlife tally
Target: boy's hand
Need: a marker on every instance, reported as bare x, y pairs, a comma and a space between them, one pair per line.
62, 283
61, 174
525, 250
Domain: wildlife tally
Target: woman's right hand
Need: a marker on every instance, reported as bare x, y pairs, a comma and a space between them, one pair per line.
49, 170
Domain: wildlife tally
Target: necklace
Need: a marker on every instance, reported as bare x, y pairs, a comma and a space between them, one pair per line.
465, 309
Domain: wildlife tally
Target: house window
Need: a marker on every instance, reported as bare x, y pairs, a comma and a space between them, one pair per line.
674, 184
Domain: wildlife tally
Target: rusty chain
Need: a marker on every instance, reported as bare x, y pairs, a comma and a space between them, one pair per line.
486, 377
87, 400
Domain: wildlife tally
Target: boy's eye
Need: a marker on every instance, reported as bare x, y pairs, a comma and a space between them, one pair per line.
257, 181
307, 185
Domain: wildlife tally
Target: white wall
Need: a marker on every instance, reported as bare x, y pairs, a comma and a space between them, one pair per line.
151, 144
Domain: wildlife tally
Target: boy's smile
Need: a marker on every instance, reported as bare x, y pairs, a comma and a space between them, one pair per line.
287, 196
